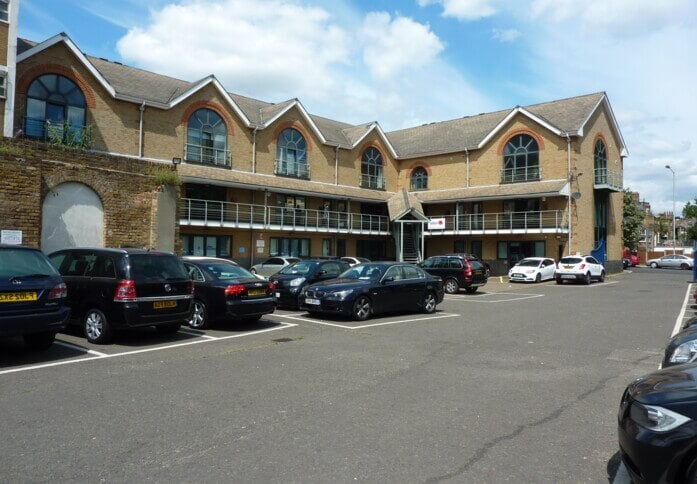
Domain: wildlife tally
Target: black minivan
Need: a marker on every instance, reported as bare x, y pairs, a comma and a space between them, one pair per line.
457, 272
111, 289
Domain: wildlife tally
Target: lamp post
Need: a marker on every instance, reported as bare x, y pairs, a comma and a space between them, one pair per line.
673, 172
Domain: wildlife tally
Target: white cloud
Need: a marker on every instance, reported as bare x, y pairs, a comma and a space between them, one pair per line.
505, 35
392, 45
464, 9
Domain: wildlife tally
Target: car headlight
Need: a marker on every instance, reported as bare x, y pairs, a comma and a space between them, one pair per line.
341, 294
296, 282
655, 418
684, 353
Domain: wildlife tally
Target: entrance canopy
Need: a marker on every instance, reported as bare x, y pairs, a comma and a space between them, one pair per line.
405, 206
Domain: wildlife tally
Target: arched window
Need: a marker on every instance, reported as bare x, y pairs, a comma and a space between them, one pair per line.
55, 110
419, 179
291, 154
521, 160
600, 162
206, 138
371, 169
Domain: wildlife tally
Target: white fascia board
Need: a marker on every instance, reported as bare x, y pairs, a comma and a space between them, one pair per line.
541, 122
304, 113
498, 128
62, 37
376, 126
510, 116
204, 82
604, 101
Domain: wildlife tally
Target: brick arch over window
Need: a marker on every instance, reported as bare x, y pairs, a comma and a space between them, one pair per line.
601, 137
296, 126
538, 139
229, 124
377, 146
73, 75
418, 165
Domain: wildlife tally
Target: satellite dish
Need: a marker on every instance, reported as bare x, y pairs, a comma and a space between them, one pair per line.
576, 195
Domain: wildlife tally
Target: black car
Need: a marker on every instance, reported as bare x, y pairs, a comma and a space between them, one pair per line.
457, 271
32, 297
110, 289
471, 257
224, 290
682, 347
373, 288
290, 280
657, 426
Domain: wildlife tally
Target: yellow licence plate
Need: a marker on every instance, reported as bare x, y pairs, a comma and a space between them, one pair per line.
256, 292
164, 304
17, 296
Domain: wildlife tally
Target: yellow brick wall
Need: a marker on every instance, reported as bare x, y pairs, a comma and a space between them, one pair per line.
4, 36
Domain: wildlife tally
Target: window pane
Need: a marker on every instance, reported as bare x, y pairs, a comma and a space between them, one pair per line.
224, 246
199, 248
211, 246
502, 250
186, 250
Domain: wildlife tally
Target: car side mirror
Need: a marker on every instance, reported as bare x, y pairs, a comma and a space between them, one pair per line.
387, 279
322, 273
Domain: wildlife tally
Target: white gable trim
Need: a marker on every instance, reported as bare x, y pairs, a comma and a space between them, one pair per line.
204, 82
510, 116
297, 104
62, 37
376, 126
604, 101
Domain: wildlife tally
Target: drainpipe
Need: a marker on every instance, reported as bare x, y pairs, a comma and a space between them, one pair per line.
336, 165
568, 176
140, 130
254, 150
467, 163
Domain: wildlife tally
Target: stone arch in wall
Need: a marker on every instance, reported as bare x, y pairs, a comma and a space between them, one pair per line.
72, 215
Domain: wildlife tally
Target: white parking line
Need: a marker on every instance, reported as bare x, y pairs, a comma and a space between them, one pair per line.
471, 299
79, 348
592, 286
197, 333
343, 326
681, 316
102, 356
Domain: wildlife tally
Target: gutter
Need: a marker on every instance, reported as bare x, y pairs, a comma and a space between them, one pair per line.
467, 162
568, 176
254, 149
140, 129
336, 165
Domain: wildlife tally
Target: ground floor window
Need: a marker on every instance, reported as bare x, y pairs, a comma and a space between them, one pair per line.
207, 245
326, 247
341, 247
371, 249
460, 247
476, 248
289, 247
513, 251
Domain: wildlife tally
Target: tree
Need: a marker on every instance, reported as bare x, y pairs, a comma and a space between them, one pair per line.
631, 221
689, 211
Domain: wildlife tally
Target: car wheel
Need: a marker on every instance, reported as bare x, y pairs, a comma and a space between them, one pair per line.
39, 341
602, 276
538, 277
559, 280
470, 290
97, 328
684, 266
169, 328
451, 286
429, 303
199, 316
653, 265
587, 279
361, 309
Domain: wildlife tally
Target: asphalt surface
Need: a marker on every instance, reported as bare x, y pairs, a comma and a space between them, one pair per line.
518, 383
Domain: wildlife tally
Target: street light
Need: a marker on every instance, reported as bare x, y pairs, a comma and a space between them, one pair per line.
673, 172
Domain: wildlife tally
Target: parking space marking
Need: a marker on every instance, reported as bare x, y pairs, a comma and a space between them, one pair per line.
65, 344
343, 326
518, 297
197, 333
102, 356
681, 316
592, 286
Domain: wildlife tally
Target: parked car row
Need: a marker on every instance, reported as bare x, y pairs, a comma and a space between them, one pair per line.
674, 261
578, 268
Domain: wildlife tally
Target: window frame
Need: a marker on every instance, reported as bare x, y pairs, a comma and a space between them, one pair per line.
521, 152
56, 98
5, 12
212, 136
222, 241
372, 169
418, 180
290, 140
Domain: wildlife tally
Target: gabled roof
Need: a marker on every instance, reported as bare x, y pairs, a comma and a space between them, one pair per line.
544, 188
404, 203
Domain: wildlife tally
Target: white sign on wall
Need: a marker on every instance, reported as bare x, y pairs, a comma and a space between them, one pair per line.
11, 237
436, 224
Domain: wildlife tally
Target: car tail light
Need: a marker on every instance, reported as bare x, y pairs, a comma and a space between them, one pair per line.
272, 286
582, 266
468, 271
59, 292
125, 290
234, 290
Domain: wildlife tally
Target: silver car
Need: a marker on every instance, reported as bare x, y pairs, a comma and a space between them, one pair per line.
272, 265
676, 261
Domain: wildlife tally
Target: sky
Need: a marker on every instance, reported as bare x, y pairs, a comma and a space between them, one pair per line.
408, 62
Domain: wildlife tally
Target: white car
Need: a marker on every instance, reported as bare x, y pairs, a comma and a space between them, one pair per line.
677, 261
272, 265
532, 269
352, 261
582, 268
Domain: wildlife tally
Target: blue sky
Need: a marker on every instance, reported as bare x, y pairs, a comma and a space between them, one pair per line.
410, 62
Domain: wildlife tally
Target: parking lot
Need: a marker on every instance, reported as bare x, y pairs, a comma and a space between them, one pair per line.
516, 382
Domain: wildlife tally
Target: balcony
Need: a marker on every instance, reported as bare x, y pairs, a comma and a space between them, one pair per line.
292, 168
207, 213
534, 222
65, 134
605, 179
206, 155
372, 181
521, 174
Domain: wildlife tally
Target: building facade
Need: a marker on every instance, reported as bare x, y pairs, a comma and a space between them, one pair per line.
263, 179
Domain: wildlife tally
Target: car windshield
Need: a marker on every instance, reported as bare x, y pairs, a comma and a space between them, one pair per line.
366, 272
302, 268
23, 263
156, 266
528, 263
571, 260
224, 271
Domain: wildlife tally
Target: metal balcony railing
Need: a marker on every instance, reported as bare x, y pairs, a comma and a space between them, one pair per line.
521, 174
292, 168
228, 214
58, 133
206, 155
532, 221
605, 178
372, 181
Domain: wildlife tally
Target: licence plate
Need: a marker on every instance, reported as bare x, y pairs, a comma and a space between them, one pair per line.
478, 273
164, 304
568, 276
568, 267
17, 296
517, 275
256, 292
313, 302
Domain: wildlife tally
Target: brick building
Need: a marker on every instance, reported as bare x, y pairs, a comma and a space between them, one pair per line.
262, 179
